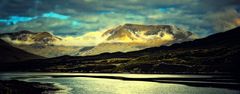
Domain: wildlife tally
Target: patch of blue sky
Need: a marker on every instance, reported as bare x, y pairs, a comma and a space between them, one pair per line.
3, 21
16, 19
55, 15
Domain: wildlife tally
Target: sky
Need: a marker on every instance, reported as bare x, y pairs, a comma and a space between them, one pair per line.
79, 17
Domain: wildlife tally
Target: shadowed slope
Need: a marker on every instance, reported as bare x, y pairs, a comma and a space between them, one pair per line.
12, 54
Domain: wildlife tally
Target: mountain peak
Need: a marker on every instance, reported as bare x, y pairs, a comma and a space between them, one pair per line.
134, 32
25, 36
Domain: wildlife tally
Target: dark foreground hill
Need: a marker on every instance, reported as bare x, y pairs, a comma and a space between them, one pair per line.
218, 53
9, 53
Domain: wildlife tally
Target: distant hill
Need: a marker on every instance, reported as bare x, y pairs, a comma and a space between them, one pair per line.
12, 54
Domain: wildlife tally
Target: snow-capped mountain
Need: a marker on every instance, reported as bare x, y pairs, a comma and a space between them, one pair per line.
29, 37
143, 33
39, 43
131, 37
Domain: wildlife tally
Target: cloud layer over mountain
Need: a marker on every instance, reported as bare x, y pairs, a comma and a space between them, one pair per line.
77, 17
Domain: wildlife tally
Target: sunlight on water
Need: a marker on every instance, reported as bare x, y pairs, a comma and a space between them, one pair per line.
86, 85
81, 85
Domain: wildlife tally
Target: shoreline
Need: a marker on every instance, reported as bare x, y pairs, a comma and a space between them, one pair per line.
171, 73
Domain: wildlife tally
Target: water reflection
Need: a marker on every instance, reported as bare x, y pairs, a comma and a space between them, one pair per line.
76, 83
82, 85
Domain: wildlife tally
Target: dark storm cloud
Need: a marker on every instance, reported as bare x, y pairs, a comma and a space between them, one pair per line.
30, 7
15, 7
203, 17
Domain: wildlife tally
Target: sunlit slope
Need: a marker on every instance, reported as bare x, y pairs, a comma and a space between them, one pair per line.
132, 37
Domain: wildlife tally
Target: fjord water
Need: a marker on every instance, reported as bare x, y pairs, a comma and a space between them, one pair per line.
87, 85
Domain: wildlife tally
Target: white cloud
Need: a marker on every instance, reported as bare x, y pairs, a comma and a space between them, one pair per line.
87, 39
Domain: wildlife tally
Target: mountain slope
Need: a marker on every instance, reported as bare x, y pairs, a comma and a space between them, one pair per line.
218, 53
134, 32
39, 43
12, 54
29, 37
132, 37
224, 39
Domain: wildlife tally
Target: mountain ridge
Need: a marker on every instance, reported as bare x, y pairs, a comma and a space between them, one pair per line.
123, 38
127, 29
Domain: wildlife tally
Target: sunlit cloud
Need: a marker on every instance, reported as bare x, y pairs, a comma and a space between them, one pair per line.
88, 39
